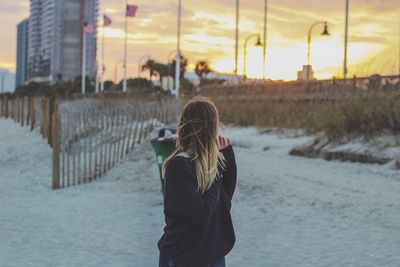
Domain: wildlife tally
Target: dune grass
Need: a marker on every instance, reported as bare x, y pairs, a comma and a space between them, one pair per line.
337, 119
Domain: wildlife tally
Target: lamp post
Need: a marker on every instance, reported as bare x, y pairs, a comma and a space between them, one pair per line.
83, 75
399, 58
245, 50
178, 51
103, 67
237, 37
125, 83
324, 33
346, 33
265, 38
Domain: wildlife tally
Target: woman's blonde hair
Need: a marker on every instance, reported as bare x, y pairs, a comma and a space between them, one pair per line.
196, 134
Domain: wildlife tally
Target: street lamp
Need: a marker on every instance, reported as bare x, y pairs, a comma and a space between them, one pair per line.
237, 37
265, 38
399, 58
245, 50
178, 51
324, 33
346, 33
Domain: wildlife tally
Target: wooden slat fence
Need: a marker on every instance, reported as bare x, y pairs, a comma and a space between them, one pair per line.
24, 110
90, 135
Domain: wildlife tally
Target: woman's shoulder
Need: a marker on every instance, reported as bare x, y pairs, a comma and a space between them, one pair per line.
178, 166
178, 161
183, 154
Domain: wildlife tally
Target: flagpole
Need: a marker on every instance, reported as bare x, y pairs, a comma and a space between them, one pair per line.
102, 61
96, 88
126, 47
265, 38
345, 70
83, 81
178, 54
399, 57
237, 38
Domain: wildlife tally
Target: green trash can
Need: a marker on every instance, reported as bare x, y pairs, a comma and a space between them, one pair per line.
164, 145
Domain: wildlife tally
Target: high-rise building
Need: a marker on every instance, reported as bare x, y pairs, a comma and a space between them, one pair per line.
55, 39
22, 50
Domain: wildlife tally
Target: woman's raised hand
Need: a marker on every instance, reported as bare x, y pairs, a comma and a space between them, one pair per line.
222, 142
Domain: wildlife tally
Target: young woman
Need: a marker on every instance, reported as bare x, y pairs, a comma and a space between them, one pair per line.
200, 178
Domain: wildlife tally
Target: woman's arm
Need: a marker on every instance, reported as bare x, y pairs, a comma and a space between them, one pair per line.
229, 175
182, 196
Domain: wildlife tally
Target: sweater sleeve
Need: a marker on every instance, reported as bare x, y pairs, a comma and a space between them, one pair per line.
182, 196
229, 175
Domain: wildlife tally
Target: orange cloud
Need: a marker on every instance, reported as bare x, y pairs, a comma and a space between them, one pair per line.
208, 34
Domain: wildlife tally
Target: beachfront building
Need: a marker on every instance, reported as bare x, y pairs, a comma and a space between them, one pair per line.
22, 50
55, 39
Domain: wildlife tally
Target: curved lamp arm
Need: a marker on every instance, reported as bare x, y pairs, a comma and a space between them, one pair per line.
245, 52
309, 37
140, 63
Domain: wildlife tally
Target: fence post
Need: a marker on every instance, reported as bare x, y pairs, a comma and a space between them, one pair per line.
143, 117
43, 115
55, 145
23, 111
32, 113
17, 109
6, 114
2, 106
13, 108
50, 112
28, 110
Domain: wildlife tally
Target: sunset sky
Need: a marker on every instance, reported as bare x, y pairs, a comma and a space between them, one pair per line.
208, 34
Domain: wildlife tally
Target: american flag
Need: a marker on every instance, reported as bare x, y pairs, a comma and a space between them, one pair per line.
106, 20
131, 10
88, 28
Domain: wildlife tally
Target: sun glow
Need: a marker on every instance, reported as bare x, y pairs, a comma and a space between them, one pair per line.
285, 58
208, 33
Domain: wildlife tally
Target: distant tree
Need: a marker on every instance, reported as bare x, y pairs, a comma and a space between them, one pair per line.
108, 85
150, 65
137, 84
156, 69
202, 70
375, 82
214, 81
187, 86
89, 87
34, 89
162, 71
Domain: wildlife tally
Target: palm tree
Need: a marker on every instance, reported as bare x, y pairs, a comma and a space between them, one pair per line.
162, 71
202, 70
150, 65
171, 68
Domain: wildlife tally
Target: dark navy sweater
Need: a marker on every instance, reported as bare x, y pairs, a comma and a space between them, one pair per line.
198, 227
